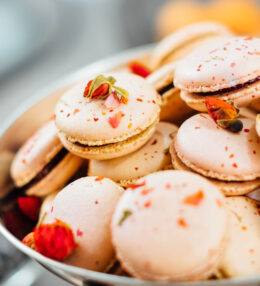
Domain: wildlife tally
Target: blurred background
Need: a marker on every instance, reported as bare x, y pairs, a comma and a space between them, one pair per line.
40, 41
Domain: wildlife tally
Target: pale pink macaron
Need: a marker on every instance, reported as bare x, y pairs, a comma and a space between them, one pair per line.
231, 159
227, 69
98, 129
153, 156
170, 226
241, 256
42, 165
87, 205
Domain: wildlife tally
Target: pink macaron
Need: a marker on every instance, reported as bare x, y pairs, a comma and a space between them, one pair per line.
230, 159
42, 165
87, 205
227, 69
170, 226
107, 117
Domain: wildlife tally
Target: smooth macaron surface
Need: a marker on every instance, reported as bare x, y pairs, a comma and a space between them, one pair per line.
215, 152
153, 156
161, 219
180, 39
220, 64
87, 205
241, 256
35, 153
89, 122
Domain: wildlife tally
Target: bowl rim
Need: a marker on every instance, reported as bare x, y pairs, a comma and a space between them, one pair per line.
84, 274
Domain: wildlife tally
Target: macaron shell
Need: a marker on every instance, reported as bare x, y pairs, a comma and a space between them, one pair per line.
46, 206
87, 205
109, 151
242, 253
258, 124
240, 97
219, 64
35, 153
218, 153
179, 43
57, 177
230, 188
88, 122
152, 157
152, 243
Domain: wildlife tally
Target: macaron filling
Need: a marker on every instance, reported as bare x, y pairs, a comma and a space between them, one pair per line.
166, 88
46, 169
230, 89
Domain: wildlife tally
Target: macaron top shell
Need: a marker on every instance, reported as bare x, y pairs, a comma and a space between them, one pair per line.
153, 156
219, 64
89, 122
162, 219
35, 153
242, 252
87, 205
202, 145
184, 36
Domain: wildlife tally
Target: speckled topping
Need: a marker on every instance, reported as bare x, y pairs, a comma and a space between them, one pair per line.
35, 153
242, 253
87, 205
219, 64
161, 219
215, 152
153, 156
90, 122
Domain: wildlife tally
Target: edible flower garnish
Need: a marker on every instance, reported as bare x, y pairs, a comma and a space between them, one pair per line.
102, 87
55, 240
125, 215
224, 114
139, 69
115, 120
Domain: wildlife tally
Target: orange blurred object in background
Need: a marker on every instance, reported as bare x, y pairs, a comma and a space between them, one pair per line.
242, 16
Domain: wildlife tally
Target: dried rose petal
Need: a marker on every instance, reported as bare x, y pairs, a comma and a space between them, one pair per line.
139, 69
112, 101
116, 119
29, 240
55, 240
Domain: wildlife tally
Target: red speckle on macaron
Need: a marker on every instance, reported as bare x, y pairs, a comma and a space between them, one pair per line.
182, 222
234, 165
194, 199
246, 130
79, 232
68, 115
147, 204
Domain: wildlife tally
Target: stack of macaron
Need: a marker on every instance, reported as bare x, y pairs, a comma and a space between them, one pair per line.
145, 169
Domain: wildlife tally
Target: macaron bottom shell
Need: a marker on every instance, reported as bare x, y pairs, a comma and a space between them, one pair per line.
229, 188
109, 151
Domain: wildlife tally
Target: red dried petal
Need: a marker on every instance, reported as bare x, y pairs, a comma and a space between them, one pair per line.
139, 69
54, 240
219, 109
116, 119
30, 207
101, 91
194, 199
137, 185
86, 91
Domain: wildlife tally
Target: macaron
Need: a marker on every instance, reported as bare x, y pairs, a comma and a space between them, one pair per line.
173, 108
227, 69
162, 218
230, 159
241, 256
181, 42
153, 156
42, 165
107, 116
87, 205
